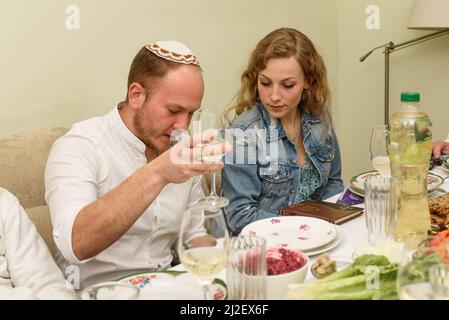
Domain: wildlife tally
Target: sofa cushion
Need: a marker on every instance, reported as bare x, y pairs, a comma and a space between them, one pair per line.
22, 164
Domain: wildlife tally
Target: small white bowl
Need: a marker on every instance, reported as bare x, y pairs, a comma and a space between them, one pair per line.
277, 284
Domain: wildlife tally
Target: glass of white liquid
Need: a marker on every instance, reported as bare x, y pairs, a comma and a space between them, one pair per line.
203, 244
423, 272
202, 122
378, 150
208, 127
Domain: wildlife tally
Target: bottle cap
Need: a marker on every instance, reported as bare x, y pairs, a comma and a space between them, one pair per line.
410, 96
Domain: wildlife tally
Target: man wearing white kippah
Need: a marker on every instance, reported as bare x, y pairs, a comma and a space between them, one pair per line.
115, 194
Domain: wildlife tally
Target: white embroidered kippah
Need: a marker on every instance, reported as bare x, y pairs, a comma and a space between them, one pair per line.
173, 51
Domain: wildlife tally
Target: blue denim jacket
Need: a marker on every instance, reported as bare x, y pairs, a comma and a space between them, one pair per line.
258, 183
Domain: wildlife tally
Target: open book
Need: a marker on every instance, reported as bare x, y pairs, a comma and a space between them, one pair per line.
333, 212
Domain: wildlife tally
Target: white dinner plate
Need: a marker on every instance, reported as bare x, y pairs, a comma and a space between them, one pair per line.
356, 185
173, 285
302, 233
331, 245
357, 191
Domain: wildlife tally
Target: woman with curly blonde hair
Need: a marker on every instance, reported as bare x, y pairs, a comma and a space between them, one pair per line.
284, 92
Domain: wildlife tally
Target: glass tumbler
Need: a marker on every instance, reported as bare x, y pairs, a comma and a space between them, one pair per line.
381, 205
246, 272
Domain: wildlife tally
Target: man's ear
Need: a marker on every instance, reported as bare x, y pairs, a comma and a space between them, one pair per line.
136, 95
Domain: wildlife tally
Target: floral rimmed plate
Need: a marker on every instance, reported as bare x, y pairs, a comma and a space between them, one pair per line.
327, 247
173, 285
302, 233
143, 280
356, 184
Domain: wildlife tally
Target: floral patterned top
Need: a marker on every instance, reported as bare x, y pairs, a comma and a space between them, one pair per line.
309, 180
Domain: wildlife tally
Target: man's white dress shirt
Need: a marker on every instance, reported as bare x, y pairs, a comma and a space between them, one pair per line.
92, 159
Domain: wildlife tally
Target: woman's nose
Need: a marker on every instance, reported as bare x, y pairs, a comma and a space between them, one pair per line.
275, 96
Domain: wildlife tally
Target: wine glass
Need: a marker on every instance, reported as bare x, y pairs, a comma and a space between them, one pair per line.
200, 122
211, 138
378, 149
423, 272
203, 244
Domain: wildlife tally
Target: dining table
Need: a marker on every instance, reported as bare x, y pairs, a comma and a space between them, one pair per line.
354, 233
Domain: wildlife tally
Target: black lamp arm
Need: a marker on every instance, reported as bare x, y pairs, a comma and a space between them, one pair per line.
426, 37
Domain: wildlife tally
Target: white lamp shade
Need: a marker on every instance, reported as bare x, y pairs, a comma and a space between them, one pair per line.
429, 14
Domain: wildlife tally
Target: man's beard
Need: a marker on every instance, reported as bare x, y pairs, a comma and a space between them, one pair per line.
144, 133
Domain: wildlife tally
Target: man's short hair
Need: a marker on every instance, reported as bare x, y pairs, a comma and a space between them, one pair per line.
147, 67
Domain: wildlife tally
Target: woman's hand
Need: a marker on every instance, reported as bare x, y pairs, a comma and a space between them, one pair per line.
440, 148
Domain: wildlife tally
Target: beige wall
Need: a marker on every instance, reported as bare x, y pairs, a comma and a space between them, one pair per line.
51, 76
423, 68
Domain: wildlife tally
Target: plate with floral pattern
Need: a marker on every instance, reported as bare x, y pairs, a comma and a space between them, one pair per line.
356, 184
302, 233
173, 285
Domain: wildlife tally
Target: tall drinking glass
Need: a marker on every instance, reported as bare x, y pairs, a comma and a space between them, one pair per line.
381, 205
203, 244
246, 272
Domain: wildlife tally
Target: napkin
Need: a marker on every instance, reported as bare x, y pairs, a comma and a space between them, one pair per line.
182, 287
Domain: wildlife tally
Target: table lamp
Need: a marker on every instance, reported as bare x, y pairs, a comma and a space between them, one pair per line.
425, 15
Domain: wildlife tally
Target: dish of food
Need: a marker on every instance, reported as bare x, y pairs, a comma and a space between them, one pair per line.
439, 210
326, 264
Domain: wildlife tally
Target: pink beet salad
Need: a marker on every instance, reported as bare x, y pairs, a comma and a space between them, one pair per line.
284, 260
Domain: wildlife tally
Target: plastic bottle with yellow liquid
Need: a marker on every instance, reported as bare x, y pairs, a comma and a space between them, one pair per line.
409, 150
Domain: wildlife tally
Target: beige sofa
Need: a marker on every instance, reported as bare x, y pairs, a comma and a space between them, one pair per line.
22, 164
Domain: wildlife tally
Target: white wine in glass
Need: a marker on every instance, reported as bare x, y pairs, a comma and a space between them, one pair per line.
204, 262
378, 150
381, 164
212, 157
203, 244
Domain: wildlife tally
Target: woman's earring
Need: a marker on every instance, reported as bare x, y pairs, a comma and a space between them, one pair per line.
305, 95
